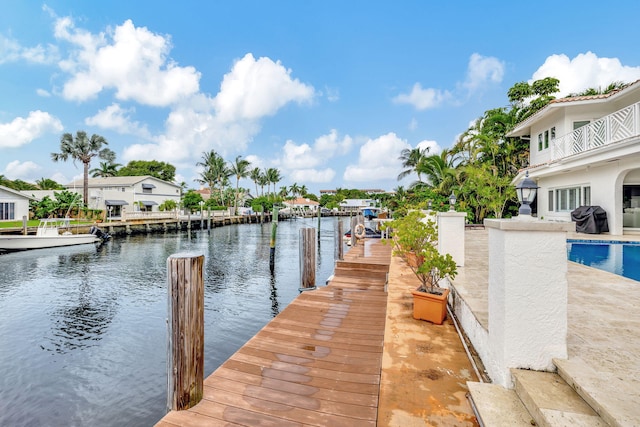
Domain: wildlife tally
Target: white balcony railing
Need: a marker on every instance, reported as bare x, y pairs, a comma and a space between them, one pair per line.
616, 127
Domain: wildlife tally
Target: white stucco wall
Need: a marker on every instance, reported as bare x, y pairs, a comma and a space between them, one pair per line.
451, 235
527, 296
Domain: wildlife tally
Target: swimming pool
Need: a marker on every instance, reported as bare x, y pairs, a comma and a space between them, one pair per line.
622, 258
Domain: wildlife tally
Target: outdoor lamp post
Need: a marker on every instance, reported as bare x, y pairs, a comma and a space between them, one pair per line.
429, 204
452, 201
526, 191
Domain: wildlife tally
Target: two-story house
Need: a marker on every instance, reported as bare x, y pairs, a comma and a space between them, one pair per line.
131, 193
585, 151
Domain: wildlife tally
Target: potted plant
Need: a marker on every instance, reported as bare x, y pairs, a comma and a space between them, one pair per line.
415, 238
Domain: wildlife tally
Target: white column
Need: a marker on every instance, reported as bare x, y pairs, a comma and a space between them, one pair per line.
451, 235
527, 296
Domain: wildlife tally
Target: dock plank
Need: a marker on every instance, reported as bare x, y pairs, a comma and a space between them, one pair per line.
317, 363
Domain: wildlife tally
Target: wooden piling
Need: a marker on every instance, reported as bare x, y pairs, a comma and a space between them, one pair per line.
24, 225
307, 259
185, 346
354, 222
272, 242
339, 248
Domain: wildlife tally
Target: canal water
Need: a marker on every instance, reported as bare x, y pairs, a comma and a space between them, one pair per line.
83, 329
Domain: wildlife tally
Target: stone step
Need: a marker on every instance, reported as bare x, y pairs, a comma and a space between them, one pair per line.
362, 265
616, 400
498, 407
552, 402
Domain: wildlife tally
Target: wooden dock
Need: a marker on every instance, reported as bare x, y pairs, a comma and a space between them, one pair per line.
317, 363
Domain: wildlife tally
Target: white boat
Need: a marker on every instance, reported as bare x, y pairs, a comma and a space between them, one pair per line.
49, 236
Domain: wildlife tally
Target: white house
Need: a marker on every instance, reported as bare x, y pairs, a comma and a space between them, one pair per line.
13, 204
131, 193
585, 151
302, 203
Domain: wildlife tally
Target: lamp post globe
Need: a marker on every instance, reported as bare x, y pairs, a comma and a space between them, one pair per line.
526, 191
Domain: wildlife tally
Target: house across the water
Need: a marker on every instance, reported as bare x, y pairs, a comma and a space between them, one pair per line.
585, 151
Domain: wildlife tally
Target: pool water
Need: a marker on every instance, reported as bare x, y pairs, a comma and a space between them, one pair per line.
621, 258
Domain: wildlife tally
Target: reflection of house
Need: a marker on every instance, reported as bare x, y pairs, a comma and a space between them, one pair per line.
302, 203
585, 150
13, 204
127, 193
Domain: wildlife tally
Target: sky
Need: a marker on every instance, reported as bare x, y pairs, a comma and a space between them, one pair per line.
329, 92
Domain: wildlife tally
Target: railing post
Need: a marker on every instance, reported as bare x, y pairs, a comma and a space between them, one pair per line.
185, 345
307, 259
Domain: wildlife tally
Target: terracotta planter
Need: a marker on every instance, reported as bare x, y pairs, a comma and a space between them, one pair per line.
430, 307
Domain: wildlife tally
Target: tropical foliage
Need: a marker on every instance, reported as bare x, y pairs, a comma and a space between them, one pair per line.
83, 148
161, 170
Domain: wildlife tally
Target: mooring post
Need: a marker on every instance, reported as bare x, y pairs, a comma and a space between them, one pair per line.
24, 225
208, 220
319, 218
272, 242
307, 259
354, 222
339, 249
185, 324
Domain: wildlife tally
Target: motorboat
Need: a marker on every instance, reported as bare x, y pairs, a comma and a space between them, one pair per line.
52, 233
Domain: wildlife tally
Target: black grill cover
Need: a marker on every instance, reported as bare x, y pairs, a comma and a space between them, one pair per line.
590, 219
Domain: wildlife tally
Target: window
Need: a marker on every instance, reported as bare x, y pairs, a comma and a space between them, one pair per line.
550, 200
539, 142
580, 123
546, 139
7, 210
553, 133
567, 199
586, 196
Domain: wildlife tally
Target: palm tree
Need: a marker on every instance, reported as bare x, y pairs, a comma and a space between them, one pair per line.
262, 181
48, 184
239, 168
105, 170
84, 149
411, 158
254, 176
273, 177
294, 189
215, 172
303, 190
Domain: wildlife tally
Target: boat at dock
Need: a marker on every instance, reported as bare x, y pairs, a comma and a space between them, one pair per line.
51, 233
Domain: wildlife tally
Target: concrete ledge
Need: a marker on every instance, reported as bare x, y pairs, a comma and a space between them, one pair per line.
499, 407
534, 225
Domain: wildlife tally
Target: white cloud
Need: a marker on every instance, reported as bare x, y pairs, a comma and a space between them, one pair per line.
132, 60
258, 88
12, 51
119, 119
312, 175
21, 170
433, 146
585, 71
481, 70
300, 161
22, 130
421, 98
378, 159
43, 93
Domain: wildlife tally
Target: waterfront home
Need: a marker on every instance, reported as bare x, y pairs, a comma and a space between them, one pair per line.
585, 151
302, 204
120, 194
13, 204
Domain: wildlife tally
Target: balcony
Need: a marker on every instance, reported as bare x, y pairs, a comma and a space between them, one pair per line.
620, 126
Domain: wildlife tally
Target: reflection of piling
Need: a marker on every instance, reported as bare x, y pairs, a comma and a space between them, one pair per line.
272, 242
307, 259
185, 347
339, 249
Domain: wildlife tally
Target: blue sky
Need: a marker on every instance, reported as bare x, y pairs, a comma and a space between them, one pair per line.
329, 92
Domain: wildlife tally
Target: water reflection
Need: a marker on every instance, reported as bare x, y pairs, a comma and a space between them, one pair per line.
83, 329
